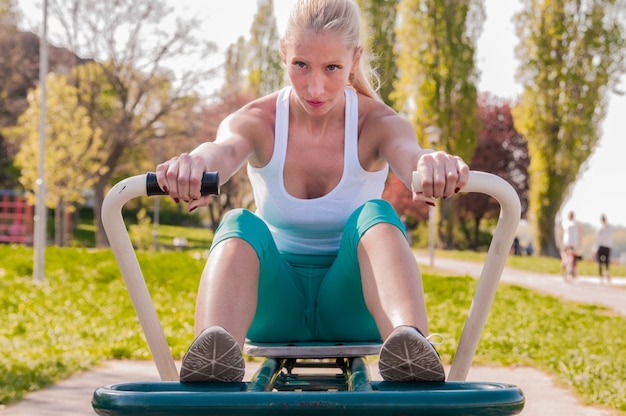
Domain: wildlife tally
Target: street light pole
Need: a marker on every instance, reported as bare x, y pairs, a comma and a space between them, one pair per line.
40, 218
432, 133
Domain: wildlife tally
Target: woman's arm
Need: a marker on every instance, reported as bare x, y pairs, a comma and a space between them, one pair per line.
235, 143
442, 174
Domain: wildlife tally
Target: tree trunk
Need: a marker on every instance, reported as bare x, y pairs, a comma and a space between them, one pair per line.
57, 225
446, 224
98, 197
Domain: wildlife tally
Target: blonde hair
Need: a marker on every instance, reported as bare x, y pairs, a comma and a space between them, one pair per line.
342, 17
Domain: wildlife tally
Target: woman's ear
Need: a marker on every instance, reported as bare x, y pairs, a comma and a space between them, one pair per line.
356, 59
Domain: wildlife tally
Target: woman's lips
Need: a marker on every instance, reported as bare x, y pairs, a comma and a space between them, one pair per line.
315, 104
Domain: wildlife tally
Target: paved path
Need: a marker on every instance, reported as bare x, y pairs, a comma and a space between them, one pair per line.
72, 397
585, 289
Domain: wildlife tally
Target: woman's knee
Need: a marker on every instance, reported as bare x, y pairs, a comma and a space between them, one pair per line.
373, 213
241, 220
244, 225
368, 215
378, 207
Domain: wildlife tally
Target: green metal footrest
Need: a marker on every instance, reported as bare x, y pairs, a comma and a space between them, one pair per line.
277, 390
385, 399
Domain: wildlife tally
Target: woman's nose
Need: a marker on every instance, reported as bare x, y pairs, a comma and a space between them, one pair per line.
316, 85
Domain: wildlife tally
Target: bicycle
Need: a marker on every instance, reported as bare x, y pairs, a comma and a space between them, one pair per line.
568, 264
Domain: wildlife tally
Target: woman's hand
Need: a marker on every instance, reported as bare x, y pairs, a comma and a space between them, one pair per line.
442, 175
181, 178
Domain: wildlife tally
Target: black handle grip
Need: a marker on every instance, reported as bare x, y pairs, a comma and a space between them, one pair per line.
210, 184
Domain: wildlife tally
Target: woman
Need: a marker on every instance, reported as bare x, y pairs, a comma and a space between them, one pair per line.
323, 257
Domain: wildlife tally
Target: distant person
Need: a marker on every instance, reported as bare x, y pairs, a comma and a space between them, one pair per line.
602, 248
571, 235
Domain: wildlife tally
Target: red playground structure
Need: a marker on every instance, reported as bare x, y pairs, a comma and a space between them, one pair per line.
16, 218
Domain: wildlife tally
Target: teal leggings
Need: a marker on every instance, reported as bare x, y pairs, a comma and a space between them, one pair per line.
309, 297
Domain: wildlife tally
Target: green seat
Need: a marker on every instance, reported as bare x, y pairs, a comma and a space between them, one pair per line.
311, 349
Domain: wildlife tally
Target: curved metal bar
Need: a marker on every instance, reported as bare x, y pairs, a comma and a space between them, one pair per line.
113, 222
510, 211
122, 247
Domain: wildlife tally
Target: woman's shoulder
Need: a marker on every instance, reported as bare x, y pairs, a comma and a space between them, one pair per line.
378, 116
374, 108
261, 107
255, 114
255, 122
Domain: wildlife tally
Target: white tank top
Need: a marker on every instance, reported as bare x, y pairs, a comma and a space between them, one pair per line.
313, 226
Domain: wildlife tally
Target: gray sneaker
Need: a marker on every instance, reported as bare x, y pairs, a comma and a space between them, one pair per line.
213, 356
407, 355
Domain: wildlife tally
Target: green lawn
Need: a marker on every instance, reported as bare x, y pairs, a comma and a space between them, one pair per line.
81, 315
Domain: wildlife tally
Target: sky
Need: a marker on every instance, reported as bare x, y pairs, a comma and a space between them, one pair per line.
597, 189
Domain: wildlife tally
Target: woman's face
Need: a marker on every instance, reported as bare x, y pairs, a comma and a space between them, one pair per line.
319, 67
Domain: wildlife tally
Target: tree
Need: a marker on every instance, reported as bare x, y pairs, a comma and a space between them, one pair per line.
437, 83
7, 10
265, 65
379, 17
73, 157
19, 72
234, 67
14, 83
502, 151
572, 55
127, 36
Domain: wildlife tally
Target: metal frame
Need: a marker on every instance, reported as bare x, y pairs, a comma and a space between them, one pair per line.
275, 389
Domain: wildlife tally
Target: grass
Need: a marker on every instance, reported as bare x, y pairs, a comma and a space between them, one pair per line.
582, 345
81, 315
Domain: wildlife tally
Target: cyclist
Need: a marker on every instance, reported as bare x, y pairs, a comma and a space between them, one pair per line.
570, 243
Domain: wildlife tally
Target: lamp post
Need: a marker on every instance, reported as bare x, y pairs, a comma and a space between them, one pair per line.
41, 213
159, 131
432, 134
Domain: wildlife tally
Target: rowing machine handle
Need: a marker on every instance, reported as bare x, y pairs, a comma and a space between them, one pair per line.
117, 233
499, 248
210, 184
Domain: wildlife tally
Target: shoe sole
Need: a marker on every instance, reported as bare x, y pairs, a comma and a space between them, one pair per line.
214, 356
408, 356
